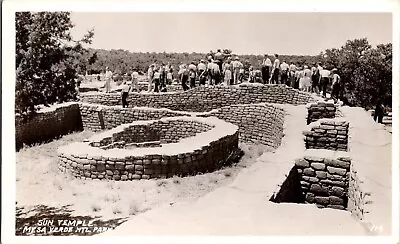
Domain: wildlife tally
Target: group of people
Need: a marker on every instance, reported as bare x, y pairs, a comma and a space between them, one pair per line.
310, 79
222, 69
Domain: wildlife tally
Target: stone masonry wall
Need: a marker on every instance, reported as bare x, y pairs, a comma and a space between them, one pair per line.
258, 123
84, 161
47, 125
202, 99
97, 117
320, 110
325, 181
164, 131
327, 134
356, 194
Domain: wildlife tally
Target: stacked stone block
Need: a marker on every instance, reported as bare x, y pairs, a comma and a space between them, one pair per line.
202, 99
170, 131
96, 118
357, 196
47, 125
258, 123
320, 110
328, 134
325, 181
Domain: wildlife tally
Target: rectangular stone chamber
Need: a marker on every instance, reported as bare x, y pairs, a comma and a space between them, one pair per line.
320, 181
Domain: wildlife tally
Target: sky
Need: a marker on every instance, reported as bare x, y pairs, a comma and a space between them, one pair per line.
244, 33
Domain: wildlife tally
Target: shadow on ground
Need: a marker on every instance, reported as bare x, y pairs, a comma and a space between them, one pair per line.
43, 220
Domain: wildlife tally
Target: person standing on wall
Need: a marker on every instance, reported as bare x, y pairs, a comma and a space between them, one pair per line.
108, 77
292, 74
275, 70
266, 66
315, 79
184, 78
156, 80
324, 80
202, 72
307, 79
210, 71
150, 75
124, 94
134, 81
319, 67
335, 85
284, 76
219, 58
236, 70
216, 73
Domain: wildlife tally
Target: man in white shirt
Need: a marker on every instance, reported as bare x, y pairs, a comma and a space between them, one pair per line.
134, 80
335, 85
285, 70
150, 75
108, 77
236, 69
266, 67
275, 70
124, 94
324, 80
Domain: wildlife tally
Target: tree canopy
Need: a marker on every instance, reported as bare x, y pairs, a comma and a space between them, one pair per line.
47, 59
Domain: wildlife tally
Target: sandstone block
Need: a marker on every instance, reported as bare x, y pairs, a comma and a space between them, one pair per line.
318, 166
334, 170
302, 163
321, 200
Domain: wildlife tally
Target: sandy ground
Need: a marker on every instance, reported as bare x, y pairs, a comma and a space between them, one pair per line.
40, 182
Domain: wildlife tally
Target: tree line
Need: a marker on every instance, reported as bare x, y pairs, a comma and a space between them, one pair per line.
48, 62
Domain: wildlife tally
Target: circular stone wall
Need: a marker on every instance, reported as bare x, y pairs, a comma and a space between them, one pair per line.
174, 146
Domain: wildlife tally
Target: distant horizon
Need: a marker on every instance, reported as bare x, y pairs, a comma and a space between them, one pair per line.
256, 33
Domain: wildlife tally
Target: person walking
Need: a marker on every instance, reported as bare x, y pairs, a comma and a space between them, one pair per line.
275, 70
108, 77
324, 80
266, 67
284, 73
124, 94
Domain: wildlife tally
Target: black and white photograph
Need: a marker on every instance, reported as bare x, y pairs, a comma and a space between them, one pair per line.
153, 122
